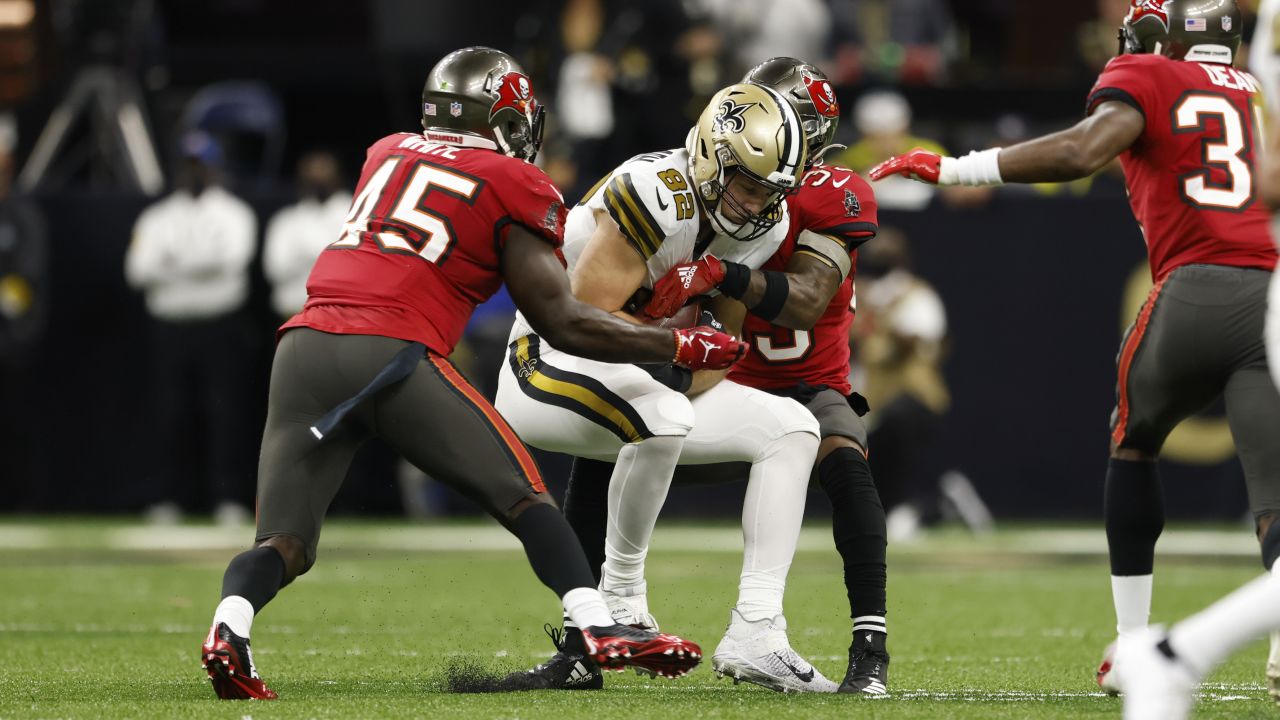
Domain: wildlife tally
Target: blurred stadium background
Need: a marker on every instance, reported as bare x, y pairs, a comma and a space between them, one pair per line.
1037, 283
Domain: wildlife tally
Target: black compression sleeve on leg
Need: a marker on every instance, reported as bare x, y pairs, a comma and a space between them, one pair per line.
553, 551
1133, 507
1271, 545
255, 575
858, 527
586, 507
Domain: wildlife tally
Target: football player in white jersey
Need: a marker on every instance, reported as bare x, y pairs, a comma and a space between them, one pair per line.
723, 194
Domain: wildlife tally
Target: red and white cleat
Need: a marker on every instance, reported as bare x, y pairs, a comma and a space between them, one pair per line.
618, 646
225, 656
1106, 677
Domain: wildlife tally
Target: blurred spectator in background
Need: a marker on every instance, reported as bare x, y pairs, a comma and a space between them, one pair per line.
24, 311
883, 119
297, 233
899, 339
190, 254
754, 30
1097, 38
900, 41
666, 59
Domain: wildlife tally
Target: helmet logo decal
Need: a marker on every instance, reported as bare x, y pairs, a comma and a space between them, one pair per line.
1153, 8
729, 116
514, 92
822, 95
1226, 23
455, 109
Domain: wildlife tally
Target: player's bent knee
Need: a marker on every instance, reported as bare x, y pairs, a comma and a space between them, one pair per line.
672, 414
294, 552
831, 443
519, 508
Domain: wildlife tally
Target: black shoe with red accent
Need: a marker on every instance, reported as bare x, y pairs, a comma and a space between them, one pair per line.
225, 656
614, 647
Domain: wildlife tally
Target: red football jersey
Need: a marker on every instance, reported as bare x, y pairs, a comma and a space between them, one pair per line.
832, 201
422, 244
1191, 174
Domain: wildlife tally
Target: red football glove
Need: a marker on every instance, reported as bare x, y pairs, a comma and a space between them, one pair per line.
682, 282
918, 164
701, 348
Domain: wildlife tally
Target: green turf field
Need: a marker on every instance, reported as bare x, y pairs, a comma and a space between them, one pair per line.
104, 620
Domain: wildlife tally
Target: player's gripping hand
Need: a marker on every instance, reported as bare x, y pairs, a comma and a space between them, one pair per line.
682, 282
702, 348
918, 164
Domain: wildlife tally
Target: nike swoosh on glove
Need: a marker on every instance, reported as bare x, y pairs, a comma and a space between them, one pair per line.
682, 282
701, 348
918, 164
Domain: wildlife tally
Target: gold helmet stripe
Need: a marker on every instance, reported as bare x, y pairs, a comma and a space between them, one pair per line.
792, 136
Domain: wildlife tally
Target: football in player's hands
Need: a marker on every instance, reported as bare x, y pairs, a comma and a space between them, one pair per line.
703, 348
918, 164
682, 282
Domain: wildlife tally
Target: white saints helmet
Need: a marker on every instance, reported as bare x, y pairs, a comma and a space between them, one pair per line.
753, 130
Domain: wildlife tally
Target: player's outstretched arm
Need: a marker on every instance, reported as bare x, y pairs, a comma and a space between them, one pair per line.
793, 299
540, 287
1070, 154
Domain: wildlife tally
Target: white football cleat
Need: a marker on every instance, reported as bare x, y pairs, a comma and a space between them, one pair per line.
759, 652
1106, 676
1273, 668
1156, 685
630, 606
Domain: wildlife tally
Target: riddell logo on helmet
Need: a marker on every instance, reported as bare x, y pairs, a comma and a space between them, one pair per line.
515, 92
1153, 8
822, 95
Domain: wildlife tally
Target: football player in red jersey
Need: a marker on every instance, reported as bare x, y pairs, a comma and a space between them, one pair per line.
798, 332
439, 221
1182, 121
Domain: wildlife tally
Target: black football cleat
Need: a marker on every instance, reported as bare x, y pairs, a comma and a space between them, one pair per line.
868, 672
568, 669
225, 656
614, 647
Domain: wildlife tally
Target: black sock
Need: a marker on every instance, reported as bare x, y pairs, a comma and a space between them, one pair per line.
1133, 508
586, 507
255, 575
858, 526
553, 551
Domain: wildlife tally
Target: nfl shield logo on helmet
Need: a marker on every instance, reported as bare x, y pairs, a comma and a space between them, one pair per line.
428, 108
455, 109
1226, 23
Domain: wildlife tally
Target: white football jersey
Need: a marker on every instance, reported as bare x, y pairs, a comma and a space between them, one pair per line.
652, 201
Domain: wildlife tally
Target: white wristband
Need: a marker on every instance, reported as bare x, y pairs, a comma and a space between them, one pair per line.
976, 168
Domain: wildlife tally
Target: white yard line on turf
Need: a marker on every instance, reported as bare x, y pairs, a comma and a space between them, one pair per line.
32, 536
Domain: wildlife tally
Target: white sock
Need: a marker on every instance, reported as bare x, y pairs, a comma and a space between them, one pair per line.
637, 490
771, 517
586, 608
1132, 597
1208, 637
237, 613
621, 571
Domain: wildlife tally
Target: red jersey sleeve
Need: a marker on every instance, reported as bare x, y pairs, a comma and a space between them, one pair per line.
533, 202
1127, 79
